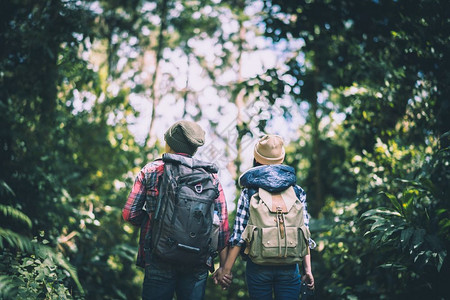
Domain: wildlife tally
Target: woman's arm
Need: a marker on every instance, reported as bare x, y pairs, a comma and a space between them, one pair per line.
308, 276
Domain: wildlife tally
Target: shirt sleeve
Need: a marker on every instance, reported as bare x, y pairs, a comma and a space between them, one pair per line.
145, 187
241, 220
301, 194
222, 211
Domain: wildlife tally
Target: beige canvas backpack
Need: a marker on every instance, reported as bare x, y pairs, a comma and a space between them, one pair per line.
276, 233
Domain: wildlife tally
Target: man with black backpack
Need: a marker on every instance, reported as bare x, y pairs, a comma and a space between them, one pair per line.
180, 207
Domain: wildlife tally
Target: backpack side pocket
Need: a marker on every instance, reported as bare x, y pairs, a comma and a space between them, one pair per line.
252, 239
303, 240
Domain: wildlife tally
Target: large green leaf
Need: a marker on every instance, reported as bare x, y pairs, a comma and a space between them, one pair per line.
397, 204
15, 214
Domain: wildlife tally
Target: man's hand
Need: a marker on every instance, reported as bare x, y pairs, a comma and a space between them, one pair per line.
309, 279
223, 278
216, 275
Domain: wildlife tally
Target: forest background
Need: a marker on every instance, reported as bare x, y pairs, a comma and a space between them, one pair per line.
359, 89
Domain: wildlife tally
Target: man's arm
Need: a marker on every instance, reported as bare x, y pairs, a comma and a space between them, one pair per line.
224, 227
132, 211
224, 232
145, 186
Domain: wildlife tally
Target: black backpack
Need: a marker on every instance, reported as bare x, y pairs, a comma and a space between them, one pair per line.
182, 224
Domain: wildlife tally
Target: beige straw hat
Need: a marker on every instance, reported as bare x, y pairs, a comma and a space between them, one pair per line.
269, 150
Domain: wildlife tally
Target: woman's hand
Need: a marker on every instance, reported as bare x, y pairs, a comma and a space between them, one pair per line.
309, 279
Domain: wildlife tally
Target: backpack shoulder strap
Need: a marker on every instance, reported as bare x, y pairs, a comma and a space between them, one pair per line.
190, 162
162, 188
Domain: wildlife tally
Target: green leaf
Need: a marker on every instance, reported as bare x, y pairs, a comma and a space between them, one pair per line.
378, 223
444, 223
389, 231
445, 135
8, 287
406, 236
15, 240
15, 214
29, 262
26, 245
379, 211
369, 213
409, 182
418, 238
433, 241
394, 202
407, 201
441, 257
6, 188
428, 185
419, 255
398, 267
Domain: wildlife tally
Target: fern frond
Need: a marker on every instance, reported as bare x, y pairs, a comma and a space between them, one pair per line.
47, 252
5, 189
24, 244
15, 240
8, 287
15, 214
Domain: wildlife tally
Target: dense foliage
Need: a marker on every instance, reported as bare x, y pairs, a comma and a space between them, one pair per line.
369, 78
385, 176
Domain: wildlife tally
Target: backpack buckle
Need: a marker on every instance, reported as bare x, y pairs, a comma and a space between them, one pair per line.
198, 188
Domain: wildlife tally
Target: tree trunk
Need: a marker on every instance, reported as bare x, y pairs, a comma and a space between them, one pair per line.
240, 104
156, 75
186, 88
319, 200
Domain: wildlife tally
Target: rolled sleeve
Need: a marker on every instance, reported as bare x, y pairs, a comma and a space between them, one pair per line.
301, 194
132, 211
144, 192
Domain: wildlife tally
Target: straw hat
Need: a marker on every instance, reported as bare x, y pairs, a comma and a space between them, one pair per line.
269, 150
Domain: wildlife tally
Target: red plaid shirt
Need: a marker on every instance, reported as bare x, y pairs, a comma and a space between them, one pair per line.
146, 188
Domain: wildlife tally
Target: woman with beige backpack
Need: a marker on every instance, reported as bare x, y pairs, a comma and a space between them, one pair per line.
271, 227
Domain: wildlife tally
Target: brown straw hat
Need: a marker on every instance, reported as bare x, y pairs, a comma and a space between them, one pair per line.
269, 150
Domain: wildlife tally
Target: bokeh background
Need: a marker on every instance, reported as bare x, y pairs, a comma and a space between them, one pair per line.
359, 89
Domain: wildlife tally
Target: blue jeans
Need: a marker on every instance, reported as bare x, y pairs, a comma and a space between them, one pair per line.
283, 281
163, 279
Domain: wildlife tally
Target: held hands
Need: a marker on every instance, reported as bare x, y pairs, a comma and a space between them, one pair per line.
220, 276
